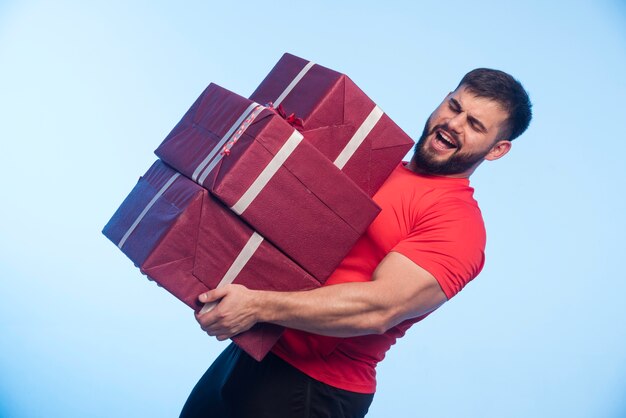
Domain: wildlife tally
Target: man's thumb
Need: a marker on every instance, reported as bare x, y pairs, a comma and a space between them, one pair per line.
212, 295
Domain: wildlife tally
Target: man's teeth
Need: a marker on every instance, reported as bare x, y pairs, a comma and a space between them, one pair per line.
445, 140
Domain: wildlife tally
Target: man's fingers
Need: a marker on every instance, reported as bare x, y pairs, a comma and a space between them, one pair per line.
212, 295
222, 337
221, 333
213, 321
216, 324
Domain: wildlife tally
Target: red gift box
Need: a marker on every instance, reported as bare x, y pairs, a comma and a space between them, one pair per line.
337, 118
257, 164
188, 243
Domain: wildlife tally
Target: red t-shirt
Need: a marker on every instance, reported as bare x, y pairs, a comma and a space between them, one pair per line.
435, 222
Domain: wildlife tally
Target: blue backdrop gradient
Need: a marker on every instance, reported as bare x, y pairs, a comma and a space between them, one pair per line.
89, 89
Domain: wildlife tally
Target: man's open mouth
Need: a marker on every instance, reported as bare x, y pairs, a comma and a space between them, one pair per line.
446, 139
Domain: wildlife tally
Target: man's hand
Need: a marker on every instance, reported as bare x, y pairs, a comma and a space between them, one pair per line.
236, 311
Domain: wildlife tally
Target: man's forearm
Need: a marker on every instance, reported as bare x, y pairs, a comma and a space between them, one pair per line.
344, 310
399, 290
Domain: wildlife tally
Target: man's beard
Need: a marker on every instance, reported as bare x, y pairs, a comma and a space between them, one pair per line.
457, 163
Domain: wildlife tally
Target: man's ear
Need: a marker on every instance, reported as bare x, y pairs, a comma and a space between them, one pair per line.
498, 150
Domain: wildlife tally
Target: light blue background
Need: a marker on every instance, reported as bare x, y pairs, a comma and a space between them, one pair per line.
89, 89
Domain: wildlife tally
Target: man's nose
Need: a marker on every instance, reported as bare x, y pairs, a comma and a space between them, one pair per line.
456, 122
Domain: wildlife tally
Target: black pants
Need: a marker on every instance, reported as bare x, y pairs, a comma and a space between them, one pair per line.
237, 386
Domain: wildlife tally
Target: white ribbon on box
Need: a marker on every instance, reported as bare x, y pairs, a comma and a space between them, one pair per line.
234, 133
268, 172
293, 83
145, 210
359, 136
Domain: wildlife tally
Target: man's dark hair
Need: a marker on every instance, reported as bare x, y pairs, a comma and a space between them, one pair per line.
505, 90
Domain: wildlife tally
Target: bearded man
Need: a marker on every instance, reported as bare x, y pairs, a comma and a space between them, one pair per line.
426, 244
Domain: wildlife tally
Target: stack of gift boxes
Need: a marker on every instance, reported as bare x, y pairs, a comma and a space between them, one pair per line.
270, 192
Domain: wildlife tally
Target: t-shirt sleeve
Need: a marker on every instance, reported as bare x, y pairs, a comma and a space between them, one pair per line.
448, 241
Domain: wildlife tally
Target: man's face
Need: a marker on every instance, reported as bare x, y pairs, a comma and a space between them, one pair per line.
459, 135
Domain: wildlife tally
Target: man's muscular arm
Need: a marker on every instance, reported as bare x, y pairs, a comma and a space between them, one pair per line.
400, 289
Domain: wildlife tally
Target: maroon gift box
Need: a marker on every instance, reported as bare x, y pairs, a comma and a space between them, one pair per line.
188, 242
257, 164
338, 119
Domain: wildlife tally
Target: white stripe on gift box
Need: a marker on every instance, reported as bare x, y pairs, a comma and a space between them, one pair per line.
221, 142
146, 209
242, 259
359, 136
293, 83
268, 172
229, 145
